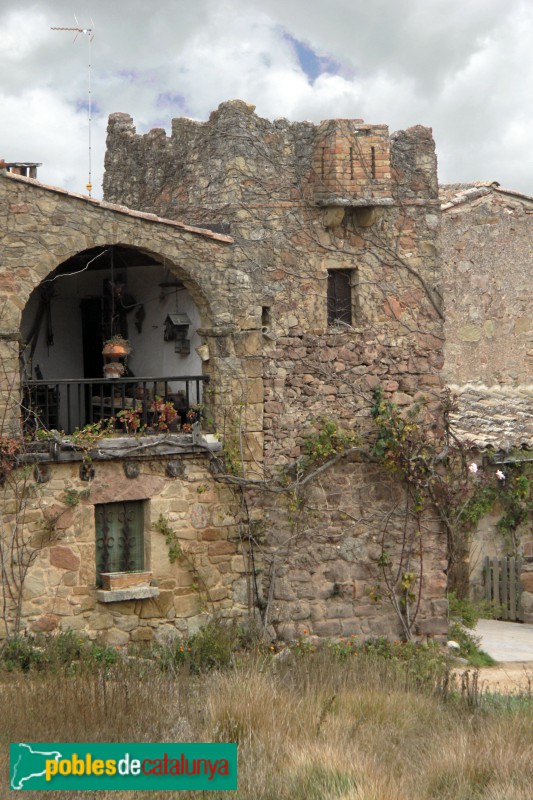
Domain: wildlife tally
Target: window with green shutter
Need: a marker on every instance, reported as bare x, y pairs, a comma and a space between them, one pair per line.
119, 537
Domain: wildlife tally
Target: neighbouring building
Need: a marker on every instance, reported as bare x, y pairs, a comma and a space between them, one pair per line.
487, 252
274, 274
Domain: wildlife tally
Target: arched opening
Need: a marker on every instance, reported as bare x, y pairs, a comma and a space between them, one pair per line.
95, 296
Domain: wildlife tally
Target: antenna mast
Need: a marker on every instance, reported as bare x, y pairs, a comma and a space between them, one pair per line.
89, 33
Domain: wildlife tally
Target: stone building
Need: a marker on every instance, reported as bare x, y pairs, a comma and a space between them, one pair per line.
275, 274
487, 234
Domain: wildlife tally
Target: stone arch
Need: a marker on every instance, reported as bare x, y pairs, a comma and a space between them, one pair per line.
166, 259
35, 243
185, 273
96, 294
47, 228
95, 259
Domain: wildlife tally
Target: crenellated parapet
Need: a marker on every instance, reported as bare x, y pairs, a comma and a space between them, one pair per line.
237, 158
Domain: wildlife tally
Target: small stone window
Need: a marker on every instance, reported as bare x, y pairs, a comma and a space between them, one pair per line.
120, 545
341, 284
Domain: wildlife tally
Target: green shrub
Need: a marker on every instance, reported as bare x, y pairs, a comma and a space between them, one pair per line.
212, 647
21, 653
468, 613
469, 646
54, 652
100, 655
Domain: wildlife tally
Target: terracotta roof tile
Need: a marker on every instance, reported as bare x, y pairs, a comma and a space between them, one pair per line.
455, 194
498, 416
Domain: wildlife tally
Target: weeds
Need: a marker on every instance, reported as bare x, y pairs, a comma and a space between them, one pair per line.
171, 538
213, 647
65, 651
72, 497
347, 720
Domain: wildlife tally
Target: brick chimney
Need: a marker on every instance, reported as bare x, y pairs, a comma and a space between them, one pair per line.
26, 168
351, 164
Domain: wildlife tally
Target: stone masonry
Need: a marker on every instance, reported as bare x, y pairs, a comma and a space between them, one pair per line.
208, 578
300, 202
486, 243
486, 247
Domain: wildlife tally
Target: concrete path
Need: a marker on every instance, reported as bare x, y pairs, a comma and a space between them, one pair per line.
506, 641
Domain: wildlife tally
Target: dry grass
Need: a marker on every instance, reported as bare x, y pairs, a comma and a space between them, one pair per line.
313, 729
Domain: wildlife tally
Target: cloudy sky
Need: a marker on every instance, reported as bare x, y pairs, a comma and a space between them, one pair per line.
463, 67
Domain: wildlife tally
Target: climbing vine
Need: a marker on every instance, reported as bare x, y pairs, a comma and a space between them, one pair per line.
435, 468
327, 441
171, 538
9, 448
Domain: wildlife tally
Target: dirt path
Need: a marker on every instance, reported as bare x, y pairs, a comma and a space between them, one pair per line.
507, 677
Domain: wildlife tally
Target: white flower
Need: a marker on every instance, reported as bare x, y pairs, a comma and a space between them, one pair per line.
472, 468
500, 475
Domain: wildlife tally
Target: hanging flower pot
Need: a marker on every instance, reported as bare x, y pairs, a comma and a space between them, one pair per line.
114, 350
116, 347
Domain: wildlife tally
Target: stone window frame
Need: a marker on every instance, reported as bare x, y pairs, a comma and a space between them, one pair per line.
141, 560
341, 300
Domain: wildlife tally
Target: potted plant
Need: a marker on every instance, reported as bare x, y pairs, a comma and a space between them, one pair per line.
117, 347
125, 580
114, 369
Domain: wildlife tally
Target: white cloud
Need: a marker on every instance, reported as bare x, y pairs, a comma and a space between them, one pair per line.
52, 132
463, 68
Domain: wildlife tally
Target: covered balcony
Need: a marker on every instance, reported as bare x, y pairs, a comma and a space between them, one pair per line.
70, 378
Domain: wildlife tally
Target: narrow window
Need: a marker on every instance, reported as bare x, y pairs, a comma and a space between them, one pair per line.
373, 161
265, 318
119, 537
340, 303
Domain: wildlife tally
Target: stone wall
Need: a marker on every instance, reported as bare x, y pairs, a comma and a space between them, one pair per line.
301, 201
331, 557
351, 163
526, 585
46, 226
258, 179
486, 250
58, 519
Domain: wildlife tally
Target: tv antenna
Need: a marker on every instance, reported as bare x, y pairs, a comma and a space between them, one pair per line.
89, 33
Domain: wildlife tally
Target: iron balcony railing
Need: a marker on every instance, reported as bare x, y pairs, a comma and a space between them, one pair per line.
69, 404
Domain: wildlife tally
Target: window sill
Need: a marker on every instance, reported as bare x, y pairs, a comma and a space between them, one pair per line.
343, 327
131, 593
